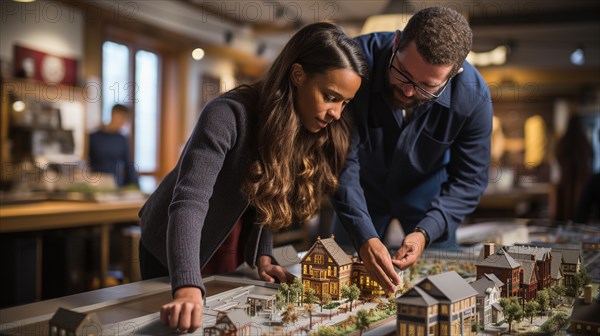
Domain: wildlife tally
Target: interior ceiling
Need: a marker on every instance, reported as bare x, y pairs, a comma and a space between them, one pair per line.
541, 33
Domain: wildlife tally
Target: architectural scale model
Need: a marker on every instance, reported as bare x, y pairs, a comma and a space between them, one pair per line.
504, 279
326, 268
586, 310
489, 289
442, 304
68, 322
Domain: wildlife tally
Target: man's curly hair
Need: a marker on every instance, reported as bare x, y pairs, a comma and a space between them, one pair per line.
442, 36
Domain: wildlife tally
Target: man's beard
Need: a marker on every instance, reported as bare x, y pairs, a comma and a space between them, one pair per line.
391, 92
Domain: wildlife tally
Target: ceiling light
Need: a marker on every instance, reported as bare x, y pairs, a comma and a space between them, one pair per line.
18, 106
198, 54
496, 56
577, 56
386, 22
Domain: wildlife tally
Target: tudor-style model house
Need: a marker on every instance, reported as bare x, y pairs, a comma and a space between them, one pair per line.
543, 261
442, 304
503, 266
326, 268
529, 282
488, 289
570, 263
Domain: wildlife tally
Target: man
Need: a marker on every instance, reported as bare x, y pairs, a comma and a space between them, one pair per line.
421, 143
109, 149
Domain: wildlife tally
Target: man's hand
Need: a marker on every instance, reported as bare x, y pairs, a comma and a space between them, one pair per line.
267, 271
378, 263
185, 311
410, 251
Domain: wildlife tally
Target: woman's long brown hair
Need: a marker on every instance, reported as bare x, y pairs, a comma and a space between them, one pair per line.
293, 168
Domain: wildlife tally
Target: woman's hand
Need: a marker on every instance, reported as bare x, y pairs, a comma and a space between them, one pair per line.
268, 272
185, 311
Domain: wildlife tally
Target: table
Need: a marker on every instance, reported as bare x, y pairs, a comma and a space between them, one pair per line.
49, 215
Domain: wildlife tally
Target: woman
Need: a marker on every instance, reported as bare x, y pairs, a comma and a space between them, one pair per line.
260, 157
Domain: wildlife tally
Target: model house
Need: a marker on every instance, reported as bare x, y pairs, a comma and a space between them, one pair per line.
361, 278
584, 318
68, 322
503, 266
326, 268
543, 261
528, 280
556, 275
488, 289
570, 263
233, 322
442, 304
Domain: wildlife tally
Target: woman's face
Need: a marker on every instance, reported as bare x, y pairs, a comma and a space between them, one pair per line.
321, 97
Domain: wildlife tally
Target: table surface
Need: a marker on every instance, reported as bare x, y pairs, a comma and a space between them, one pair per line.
64, 214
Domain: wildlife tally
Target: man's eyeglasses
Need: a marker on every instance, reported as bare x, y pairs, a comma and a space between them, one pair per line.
421, 92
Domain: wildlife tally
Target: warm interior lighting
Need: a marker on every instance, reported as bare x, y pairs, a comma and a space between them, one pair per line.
18, 106
535, 141
198, 54
23, 0
387, 22
496, 56
577, 56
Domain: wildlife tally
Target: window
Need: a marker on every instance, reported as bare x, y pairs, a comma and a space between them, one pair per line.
304, 269
146, 110
131, 77
115, 77
318, 258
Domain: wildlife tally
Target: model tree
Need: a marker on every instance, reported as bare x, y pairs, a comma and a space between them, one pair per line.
310, 297
555, 324
351, 293
362, 320
557, 293
543, 299
531, 308
325, 300
296, 291
582, 279
290, 314
310, 309
512, 311
282, 297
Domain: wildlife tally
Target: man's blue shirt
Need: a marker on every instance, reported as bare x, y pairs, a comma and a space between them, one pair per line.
429, 172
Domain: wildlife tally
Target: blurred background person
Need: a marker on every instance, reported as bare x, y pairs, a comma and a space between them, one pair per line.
574, 157
109, 149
